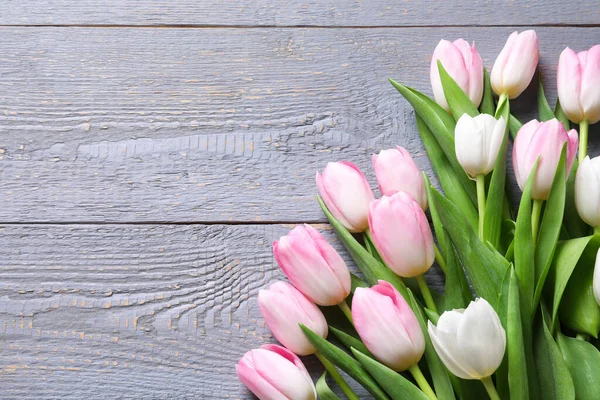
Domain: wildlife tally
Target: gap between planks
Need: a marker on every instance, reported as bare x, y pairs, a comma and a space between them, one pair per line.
100, 223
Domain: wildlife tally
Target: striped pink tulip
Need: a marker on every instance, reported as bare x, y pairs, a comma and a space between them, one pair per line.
463, 63
346, 193
516, 64
283, 307
578, 86
388, 326
396, 171
313, 265
401, 234
273, 372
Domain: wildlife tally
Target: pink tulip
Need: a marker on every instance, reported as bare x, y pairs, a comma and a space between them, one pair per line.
346, 193
463, 64
388, 326
275, 373
579, 84
396, 170
401, 234
516, 64
313, 265
283, 307
544, 140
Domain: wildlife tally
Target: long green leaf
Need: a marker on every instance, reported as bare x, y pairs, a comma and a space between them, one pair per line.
457, 99
560, 115
496, 192
544, 111
487, 102
517, 365
323, 390
583, 360
573, 223
514, 124
345, 362
448, 179
550, 227
485, 267
349, 341
397, 386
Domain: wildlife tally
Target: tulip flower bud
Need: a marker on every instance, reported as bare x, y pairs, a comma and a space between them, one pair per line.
346, 193
313, 265
515, 64
471, 342
402, 234
587, 191
388, 326
596, 282
283, 307
396, 171
544, 140
478, 142
463, 63
273, 372
578, 86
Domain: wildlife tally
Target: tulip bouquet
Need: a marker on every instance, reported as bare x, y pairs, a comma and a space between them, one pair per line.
519, 316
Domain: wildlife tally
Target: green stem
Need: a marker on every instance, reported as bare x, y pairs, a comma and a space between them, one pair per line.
490, 388
597, 231
536, 211
480, 179
346, 310
583, 139
422, 382
337, 377
440, 259
426, 293
582, 336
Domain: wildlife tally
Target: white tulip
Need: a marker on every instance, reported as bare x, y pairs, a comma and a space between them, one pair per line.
471, 342
478, 141
596, 284
587, 191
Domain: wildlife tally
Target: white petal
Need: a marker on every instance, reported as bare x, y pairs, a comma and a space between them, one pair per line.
468, 144
445, 346
587, 191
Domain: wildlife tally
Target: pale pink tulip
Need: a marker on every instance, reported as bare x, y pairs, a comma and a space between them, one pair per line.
313, 265
346, 193
463, 64
516, 64
579, 84
402, 234
275, 373
283, 307
387, 326
396, 170
544, 140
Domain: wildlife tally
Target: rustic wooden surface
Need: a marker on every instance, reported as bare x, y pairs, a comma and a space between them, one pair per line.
151, 151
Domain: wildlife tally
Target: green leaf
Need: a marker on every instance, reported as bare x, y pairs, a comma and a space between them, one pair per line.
583, 360
323, 391
345, 362
496, 192
457, 99
397, 386
448, 179
350, 341
517, 365
544, 111
550, 227
485, 267
572, 222
514, 125
487, 102
560, 115
372, 269
555, 380
356, 282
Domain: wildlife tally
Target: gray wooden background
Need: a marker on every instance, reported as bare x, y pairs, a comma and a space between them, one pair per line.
151, 151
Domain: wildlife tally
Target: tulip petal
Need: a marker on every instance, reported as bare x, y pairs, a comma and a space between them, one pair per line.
283, 375
496, 77
453, 61
469, 143
520, 148
444, 341
590, 85
254, 381
587, 191
521, 64
569, 85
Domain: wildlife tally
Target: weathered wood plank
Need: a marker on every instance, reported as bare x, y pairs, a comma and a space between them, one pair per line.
301, 12
209, 125
146, 311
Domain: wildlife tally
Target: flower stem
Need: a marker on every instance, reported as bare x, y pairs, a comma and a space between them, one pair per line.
491, 389
583, 139
440, 259
480, 179
536, 211
426, 293
346, 310
337, 377
422, 382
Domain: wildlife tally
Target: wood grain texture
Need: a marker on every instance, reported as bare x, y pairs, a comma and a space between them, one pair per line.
301, 12
148, 311
210, 125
